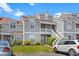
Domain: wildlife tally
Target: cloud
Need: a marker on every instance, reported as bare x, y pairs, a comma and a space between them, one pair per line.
32, 4
6, 8
0, 10
19, 13
58, 14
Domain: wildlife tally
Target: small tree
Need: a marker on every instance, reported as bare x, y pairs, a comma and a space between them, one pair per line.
38, 43
19, 42
50, 40
28, 42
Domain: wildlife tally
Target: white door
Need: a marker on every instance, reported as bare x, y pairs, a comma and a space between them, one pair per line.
61, 46
64, 48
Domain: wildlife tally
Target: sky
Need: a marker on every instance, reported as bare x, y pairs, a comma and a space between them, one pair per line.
16, 10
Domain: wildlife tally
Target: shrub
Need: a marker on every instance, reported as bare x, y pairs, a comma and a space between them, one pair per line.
50, 40
14, 42
38, 43
27, 42
19, 42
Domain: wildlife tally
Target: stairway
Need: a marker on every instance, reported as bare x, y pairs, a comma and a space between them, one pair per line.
58, 35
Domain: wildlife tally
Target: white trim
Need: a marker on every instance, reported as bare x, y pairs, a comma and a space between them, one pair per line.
70, 32
5, 34
38, 33
49, 33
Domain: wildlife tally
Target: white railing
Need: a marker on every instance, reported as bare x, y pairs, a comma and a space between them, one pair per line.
45, 30
77, 29
58, 35
61, 36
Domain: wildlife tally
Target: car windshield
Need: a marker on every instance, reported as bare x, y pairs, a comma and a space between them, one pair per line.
78, 40
3, 43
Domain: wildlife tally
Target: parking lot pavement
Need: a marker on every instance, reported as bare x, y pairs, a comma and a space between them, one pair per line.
42, 54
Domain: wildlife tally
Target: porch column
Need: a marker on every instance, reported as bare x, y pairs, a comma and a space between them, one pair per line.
11, 39
1, 37
23, 31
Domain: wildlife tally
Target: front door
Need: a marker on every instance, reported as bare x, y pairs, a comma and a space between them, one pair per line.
7, 38
42, 39
0, 37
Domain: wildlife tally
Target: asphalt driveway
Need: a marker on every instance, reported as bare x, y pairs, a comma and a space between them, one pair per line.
42, 54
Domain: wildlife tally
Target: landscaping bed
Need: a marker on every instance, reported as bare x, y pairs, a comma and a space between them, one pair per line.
32, 49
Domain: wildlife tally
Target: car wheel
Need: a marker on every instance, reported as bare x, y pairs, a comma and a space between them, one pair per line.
55, 50
72, 52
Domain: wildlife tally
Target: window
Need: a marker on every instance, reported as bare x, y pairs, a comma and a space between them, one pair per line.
69, 37
13, 25
32, 37
77, 36
78, 17
12, 37
46, 17
69, 42
2, 43
32, 24
0, 26
66, 42
69, 26
42, 25
61, 43
77, 25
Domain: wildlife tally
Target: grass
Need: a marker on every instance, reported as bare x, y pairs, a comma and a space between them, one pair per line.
32, 49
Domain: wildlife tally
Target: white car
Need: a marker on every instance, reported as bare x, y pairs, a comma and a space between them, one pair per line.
68, 46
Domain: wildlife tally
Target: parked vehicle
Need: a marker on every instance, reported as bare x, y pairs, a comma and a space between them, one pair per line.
68, 46
5, 49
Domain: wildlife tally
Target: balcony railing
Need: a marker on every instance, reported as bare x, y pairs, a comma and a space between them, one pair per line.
0, 27
77, 29
46, 30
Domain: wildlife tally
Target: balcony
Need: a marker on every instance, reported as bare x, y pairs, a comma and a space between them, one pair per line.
48, 31
0, 27
77, 29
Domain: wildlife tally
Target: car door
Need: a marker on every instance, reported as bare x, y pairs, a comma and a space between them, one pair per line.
66, 46
61, 46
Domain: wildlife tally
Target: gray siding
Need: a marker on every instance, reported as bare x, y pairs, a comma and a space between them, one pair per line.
59, 25
69, 26
19, 27
26, 25
34, 37
7, 29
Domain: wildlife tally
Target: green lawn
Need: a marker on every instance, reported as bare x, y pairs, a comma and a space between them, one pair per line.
32, 49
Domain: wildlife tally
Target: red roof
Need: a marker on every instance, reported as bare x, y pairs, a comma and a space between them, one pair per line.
2, 19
